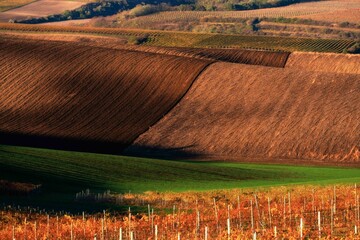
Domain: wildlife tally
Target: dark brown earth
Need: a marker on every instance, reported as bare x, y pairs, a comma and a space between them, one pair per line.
86, 98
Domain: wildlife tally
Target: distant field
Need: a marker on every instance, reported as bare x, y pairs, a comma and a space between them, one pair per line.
39, 8
352, 15
287, 11
323, 19
8, 4
252, 42
306, 10
199, 40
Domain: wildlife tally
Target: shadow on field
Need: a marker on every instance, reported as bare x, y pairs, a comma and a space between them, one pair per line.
70, 144
80, 145
161, 153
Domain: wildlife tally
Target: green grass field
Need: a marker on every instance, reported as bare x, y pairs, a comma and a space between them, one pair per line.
64, 173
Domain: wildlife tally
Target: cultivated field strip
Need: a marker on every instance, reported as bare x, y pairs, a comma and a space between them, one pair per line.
251, 42
252, 57
68, 91
236, 111
73, 29
265, 58
339, 63
291, 11
194, 40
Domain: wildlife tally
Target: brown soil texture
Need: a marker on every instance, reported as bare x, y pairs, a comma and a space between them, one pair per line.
324, 62
253, 57
86, 97
235, 111
39, 8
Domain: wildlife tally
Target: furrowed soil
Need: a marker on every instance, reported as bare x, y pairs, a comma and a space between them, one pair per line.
324, 62
236, 111
303, 109
69, 96
253, 57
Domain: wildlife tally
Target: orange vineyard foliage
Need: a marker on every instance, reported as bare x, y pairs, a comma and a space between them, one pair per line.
284, 213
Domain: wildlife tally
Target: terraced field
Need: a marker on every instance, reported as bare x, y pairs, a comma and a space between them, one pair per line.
197, 40
89, 98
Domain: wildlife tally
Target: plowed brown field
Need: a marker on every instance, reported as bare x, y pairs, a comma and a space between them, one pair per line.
74, 93
324, 62
253, 57
236, 111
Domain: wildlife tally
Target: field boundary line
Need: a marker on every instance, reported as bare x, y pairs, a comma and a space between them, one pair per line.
175, 103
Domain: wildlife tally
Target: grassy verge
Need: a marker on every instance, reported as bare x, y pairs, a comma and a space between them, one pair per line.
63, 173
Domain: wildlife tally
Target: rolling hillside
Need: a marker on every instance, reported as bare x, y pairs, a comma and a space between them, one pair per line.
75, 96
86, 98
245, 112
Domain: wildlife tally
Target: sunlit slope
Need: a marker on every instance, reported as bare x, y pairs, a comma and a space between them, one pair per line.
324, 62
86, 98
236, 111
